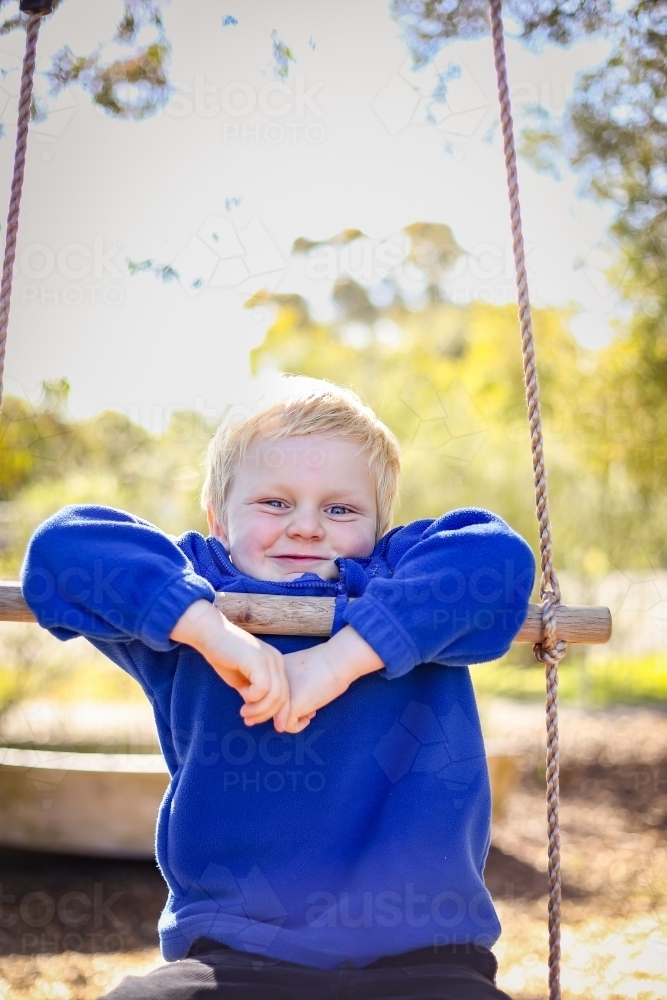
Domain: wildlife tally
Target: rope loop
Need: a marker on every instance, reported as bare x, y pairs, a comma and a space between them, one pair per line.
551, 649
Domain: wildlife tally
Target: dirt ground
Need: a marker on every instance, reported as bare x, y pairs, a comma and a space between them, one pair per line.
614, 828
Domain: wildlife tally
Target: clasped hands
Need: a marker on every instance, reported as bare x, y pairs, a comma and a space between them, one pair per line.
287, 688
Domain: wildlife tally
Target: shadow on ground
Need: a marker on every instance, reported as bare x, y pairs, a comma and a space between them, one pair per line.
50, 903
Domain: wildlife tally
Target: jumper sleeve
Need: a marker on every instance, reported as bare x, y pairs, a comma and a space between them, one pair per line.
109, 576
456, 593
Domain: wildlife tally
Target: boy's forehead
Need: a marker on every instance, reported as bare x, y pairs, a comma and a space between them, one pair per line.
332, 463
311, 451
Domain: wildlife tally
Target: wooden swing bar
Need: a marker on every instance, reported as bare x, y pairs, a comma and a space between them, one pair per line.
267, 614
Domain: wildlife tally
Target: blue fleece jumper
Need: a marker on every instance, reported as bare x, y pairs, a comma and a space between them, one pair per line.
366, 834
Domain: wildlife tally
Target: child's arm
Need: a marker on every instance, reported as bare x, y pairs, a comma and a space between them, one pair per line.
320, 674
457, 593
114, 578
255, 669
453, 591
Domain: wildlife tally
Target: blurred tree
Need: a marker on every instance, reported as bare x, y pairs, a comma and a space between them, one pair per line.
48, 460
34, 442
24, 671
613, 133
428, 24
434, 251
448, 380
127, 77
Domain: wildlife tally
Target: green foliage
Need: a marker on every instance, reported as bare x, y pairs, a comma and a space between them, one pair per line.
449, 386
448, 381
165, 272
126, 88
33, 442
613, 133
614, 129
47, 461
628, 680
628, 400
23, 670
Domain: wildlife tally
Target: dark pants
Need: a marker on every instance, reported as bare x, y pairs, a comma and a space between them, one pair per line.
214, 972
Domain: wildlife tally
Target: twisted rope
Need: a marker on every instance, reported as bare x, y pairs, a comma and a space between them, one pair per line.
25, 100
551, 650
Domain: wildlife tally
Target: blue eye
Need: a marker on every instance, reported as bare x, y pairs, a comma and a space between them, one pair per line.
277, 504
339, 509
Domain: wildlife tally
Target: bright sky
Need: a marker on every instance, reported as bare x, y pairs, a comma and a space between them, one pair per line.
238, 165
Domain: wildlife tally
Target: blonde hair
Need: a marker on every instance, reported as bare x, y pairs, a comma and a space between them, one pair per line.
304, 406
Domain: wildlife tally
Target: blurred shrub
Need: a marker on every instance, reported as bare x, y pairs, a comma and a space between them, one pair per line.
626, 680
48, 460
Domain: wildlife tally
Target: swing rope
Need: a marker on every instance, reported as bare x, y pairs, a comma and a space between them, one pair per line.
25, 102
551, 649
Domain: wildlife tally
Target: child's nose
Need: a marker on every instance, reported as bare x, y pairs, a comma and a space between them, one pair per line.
305, 524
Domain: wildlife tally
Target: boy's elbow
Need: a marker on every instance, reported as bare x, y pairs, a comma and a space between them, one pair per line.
52, 532
518, 579
50, 550
499, 617
519, 569
501, 585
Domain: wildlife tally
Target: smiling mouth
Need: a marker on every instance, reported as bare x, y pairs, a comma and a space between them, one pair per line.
303, 558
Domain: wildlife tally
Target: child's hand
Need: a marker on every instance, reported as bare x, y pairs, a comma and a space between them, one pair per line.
320, 674
255, 669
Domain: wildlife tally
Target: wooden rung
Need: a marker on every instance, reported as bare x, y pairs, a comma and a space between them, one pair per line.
586, 625
266, 614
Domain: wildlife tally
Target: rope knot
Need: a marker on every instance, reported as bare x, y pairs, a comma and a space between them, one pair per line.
551, 649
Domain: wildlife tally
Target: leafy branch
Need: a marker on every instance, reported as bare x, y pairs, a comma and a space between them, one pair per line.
128, 76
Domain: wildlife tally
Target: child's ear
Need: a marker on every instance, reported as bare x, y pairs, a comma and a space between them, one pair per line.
215, 528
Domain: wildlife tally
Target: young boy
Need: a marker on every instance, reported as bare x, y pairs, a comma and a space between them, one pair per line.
337, 851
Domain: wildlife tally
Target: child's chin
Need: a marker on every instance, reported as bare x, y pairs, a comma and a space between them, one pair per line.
328, 572
289, 577
272, 571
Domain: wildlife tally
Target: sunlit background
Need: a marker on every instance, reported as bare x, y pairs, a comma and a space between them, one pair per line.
217, 192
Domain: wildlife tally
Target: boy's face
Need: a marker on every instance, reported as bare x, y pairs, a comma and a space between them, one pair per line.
297, 504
